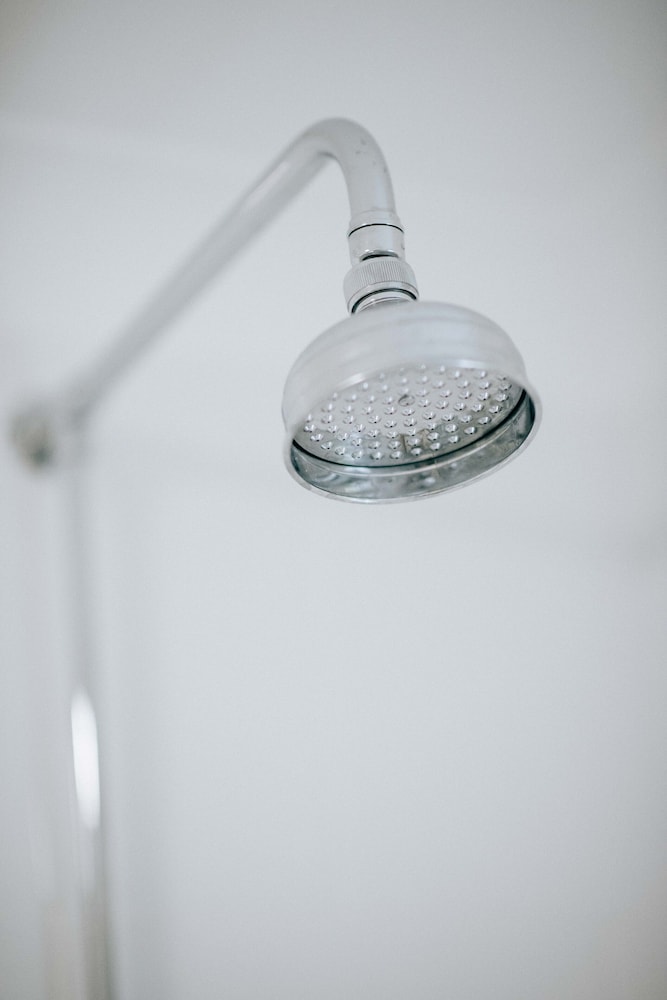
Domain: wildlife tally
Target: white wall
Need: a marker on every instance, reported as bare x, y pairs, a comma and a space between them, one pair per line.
408, 751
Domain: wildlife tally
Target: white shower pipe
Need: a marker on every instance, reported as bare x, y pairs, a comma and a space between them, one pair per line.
375, 232
50, 433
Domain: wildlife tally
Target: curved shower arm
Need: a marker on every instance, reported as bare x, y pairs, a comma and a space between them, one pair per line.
364, 168
374, 230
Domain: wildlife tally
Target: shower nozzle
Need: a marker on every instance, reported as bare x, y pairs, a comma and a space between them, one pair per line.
404, 400
401, 400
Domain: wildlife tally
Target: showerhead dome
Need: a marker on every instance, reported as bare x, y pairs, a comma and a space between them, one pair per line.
404, 400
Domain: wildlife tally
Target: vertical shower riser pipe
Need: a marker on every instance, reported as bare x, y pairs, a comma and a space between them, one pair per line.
52, 431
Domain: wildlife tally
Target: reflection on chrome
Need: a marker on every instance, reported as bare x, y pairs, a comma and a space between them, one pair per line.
86, 765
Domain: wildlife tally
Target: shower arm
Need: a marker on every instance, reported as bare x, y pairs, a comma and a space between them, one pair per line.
45, 431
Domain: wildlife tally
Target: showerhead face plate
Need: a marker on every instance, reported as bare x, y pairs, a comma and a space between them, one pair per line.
450, 403
407, 415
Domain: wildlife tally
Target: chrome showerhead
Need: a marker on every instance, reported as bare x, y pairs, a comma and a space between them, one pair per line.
406, 399
403, 399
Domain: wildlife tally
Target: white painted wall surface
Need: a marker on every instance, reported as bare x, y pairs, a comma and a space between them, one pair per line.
415, 751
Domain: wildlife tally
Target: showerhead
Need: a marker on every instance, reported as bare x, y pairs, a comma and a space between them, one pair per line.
403, 400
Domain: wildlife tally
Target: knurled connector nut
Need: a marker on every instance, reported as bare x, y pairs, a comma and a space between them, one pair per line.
378, 274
